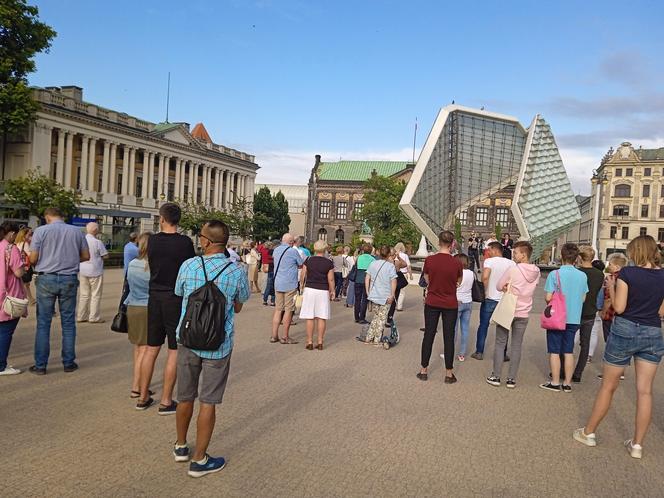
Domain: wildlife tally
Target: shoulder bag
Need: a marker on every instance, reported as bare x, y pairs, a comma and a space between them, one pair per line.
477, 291
503, 314
15, 307
119, 323
554, 316
344, 268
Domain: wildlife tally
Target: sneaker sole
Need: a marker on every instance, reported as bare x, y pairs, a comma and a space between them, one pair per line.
163, 414
181, 458
495, 384
508, 386
632, 451
588, 442
201, 473
550, 389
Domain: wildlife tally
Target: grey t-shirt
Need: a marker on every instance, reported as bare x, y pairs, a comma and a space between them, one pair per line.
59, 246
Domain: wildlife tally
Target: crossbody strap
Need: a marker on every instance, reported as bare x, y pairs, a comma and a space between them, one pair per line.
377, 273
279, 262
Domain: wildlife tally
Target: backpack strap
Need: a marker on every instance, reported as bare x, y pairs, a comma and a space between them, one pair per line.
203, 265
222, 271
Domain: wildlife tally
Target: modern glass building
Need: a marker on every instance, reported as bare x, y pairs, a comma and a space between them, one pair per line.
472, 154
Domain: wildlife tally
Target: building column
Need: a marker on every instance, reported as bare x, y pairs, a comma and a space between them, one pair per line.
183, 178
144, 180
105, 166
160, 176
250, 188
197, 169
227, 198
215, 192
176, 189
190, 192
112, 173
132, 171
125, 170
60, 162
83, 175
205, 190
208, 185
92, 167
69, 159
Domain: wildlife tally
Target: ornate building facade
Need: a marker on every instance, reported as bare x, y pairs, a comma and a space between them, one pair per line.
124, 164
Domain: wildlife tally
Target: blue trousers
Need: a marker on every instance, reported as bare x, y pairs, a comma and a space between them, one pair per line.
486, 310
6, 334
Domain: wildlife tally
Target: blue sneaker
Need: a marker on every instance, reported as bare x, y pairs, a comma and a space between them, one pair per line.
211, 465
181, 454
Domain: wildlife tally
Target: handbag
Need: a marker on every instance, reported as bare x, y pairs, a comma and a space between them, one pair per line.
344, 268
503, 314
402, 281
477, 291
352, 275
15, 307
554, 316
119, 323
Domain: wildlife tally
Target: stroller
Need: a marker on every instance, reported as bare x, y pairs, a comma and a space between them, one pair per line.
392, 339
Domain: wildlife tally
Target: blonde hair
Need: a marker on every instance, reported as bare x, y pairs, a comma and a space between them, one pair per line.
586, 253
320, 246
21, 235
643, 250
142, 241
399, 247
618, 259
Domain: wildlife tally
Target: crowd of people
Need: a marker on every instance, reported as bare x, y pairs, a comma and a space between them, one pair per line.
170, 293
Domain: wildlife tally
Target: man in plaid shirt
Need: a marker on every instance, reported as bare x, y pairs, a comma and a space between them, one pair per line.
209, 367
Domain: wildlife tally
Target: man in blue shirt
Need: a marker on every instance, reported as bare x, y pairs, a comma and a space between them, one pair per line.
206, 371
130, 251
287, 261
56, 253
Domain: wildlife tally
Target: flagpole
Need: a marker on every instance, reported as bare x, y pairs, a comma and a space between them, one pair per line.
414, 140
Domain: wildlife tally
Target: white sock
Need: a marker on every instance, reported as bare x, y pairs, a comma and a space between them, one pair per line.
202, 462
178, 446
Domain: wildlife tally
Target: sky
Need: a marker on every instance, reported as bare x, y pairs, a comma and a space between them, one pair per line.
287, 79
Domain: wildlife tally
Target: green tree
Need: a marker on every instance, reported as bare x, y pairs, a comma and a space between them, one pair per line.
270, 215
499, 231
36, 192
281, 219
240, 217
22, 36
382, 213
457, 231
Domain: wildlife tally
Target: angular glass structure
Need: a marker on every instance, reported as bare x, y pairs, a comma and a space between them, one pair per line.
471, 154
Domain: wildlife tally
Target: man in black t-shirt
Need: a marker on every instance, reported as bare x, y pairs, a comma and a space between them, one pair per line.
167, 250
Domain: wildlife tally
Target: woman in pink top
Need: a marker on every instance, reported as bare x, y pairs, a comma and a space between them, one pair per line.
11, 271
524, 278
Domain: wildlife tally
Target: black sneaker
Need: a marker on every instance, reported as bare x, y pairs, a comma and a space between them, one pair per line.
37, 371
144, 405
567, 389
477, 356
506, 358
168, 410
576, 380
181, 453
493, 380
363, 322
71, 368
551, 387
510, 384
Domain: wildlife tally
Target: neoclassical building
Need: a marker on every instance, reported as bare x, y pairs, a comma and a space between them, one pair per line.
124, 164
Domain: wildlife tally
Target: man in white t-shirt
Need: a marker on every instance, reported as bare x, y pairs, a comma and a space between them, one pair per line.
91, 277
494, 268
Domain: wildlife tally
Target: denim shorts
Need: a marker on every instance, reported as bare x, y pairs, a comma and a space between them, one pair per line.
628, 339
561, 341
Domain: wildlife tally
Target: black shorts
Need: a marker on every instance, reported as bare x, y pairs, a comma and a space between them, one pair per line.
164, 310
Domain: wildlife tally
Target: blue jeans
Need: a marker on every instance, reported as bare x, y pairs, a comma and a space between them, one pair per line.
463, 323
486, 310
6, 333
269, 288
338, 283
350, 294
50, 288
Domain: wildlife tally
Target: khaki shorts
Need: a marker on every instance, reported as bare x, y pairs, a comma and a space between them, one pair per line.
199, 374
286, 300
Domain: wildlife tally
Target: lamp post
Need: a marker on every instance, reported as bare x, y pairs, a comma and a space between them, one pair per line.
598, 180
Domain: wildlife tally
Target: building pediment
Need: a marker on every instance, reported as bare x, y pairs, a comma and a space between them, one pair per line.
625, 152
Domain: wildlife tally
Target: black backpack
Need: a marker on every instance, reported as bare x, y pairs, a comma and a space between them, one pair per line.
204, 323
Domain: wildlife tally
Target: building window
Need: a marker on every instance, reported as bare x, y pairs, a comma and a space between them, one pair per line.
139, 185
339, 236
620, 210
503, 216
625, 232
342, 208
661, 194
647, 172
646, 191
660, 234
481, 216
613, 232
322, 234
644, 210
661, 211
618, 171
629, 171
119, 185
463, 217
623, 190
359, 206
643, 231
324, 211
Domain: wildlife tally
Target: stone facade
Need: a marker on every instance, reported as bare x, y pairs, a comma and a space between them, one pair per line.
483, 217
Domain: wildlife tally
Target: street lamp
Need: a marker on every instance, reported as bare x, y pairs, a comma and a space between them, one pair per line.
598, 180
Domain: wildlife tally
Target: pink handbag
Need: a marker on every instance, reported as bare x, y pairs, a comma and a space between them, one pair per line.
554, 316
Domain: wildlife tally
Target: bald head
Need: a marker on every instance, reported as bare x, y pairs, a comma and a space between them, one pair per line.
288, 239
92, 228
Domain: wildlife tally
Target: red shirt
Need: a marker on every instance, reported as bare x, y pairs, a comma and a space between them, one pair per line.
266, 259
444, 272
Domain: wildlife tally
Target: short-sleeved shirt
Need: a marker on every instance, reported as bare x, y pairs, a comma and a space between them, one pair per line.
338, 261
498, 266
382, 272
363, 262
266, 255
233, 282
645, 293
317, 269
287, 260
404, 257
13, 285
59, 246
130, 253
595, 283
94, 267
138, 278
574, 285
444, 272
166, 252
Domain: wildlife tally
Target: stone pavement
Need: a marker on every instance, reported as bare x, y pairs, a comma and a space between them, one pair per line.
351, 420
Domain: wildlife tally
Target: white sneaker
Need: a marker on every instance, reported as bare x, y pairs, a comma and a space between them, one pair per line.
10, 371
583, 438
634, 450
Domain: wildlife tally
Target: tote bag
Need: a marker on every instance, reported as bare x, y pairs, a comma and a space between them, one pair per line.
554, 316
15, 307
477, 290
503, 315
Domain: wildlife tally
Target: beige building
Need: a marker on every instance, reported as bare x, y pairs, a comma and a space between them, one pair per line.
126, 165
630, 186
296, 196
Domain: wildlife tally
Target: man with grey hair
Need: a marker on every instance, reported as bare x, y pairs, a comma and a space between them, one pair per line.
91, 277
287, 261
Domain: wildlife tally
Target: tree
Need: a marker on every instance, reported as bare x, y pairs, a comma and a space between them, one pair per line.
457, 231
270, 215
281, 219
22, 36
382, 213
36, 192
240, 217
499, 231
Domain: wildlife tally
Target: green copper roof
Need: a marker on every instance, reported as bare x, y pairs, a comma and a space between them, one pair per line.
162, 127
359, 171
650, 154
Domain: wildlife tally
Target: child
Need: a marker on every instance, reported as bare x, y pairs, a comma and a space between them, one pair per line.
615, 263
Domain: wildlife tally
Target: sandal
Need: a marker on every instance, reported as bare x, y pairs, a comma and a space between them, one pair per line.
423, 376
288, 340
319, 347
274, 339
310, 346
136, 394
